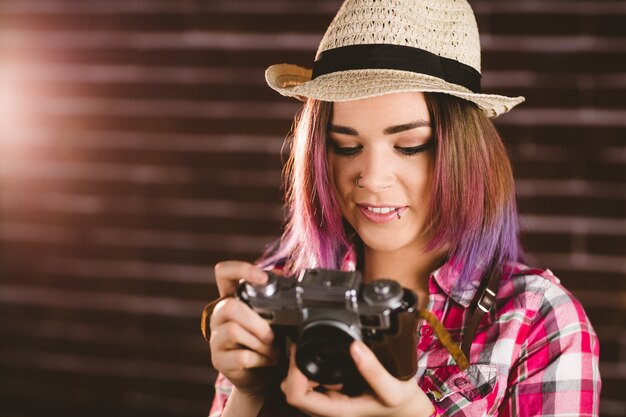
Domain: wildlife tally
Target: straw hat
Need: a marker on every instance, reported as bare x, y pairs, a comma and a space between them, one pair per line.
375, 47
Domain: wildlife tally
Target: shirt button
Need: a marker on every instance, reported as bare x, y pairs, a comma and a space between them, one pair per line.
471, 394
459, 382
426, 331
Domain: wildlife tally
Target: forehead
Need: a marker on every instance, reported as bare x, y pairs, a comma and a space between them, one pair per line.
377, 113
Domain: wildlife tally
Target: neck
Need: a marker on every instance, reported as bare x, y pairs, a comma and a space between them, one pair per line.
410, 267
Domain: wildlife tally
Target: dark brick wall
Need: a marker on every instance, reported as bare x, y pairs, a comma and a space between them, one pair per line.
139, 145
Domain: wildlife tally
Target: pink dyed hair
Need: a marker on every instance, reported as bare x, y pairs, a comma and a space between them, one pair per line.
472, 214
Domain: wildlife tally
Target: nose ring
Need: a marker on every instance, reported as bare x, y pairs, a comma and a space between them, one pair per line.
357, 181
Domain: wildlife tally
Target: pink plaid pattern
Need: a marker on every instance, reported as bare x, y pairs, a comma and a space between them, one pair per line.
534, 354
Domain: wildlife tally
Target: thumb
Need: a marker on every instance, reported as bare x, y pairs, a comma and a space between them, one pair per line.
384, 385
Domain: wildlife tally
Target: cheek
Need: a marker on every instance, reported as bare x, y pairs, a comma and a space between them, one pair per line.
334, 177
418, 180
427, 183
339, 174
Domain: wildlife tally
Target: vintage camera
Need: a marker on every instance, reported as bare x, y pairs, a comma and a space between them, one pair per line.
323, 311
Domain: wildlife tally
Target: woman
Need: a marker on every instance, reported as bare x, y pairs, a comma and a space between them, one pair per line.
396, 170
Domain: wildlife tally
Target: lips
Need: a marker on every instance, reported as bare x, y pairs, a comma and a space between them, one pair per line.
382, 213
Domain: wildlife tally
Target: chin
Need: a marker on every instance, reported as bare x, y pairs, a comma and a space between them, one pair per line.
384, 248
384, 243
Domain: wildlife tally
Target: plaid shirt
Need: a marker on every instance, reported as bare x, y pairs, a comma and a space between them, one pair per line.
535, 353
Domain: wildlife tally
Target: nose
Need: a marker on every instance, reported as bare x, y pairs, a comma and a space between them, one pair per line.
377, 173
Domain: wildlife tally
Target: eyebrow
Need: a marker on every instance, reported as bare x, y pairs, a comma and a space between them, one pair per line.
387, 131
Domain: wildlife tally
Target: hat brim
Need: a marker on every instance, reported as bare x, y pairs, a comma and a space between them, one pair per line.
295, 81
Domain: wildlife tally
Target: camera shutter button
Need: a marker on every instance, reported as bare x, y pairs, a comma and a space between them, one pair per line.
382, 290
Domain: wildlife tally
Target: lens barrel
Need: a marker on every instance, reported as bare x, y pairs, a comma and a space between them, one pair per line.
323, 353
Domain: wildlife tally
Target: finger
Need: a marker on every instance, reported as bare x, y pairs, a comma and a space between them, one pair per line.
231, 336
229, 273
384, 385
239, 360
237, 311
296, 383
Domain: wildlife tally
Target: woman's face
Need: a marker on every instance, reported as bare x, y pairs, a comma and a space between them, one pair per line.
385, 142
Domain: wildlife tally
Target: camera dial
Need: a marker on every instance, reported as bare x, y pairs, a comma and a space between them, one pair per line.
383, 292
263, 290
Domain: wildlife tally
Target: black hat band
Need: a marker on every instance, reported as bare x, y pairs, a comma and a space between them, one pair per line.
396, 57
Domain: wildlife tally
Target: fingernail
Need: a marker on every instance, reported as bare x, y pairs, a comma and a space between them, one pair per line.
358, 350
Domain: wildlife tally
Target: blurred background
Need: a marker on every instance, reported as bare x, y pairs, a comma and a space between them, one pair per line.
139, 145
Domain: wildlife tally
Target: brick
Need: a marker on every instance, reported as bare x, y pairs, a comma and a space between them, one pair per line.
602, 244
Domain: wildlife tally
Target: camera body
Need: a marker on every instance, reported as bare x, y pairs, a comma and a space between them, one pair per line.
324, 311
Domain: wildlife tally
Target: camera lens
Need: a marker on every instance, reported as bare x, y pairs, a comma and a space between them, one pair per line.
323, 353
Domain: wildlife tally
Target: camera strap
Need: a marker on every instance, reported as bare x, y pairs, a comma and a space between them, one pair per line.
206, 316
482, 303
444, 337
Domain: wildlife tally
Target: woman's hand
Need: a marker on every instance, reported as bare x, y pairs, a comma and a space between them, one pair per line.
241, 341
389, 395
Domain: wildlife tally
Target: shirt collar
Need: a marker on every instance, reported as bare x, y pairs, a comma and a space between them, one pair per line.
447, 278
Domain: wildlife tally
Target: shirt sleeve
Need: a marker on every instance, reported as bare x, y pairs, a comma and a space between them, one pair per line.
557, 371
223, 388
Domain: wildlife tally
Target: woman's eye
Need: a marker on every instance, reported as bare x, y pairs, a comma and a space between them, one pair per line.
412, 150
354, 150
345, 150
